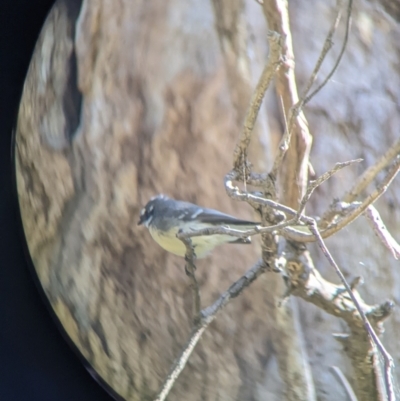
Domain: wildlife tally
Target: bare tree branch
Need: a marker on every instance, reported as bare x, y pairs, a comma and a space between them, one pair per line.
369, 200
346, 37
370, 174
180, 362
207, 315
297, 216
360, 185
254, 200
285, 141
303, 280
295, 110
273, 64
225, 230
386, 356
362, 182
341, 378
381, 231
320, 180
294, 150
235, 193
337, 209
296, 140
327, 46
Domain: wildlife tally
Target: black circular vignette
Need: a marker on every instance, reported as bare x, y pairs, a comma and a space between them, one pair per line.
38, 361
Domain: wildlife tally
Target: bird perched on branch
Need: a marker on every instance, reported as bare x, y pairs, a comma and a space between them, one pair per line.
166, 217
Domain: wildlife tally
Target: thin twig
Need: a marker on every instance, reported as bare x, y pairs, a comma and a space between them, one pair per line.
327, 46
180, 362
320, 180
370, 174
362, 182
341, 378
296, 109
207, 315
285, 140
346, 37
336, 209
386, 356
369, 200
235, 193
335, 227
226, 230
304, 280
273, 64
381, 231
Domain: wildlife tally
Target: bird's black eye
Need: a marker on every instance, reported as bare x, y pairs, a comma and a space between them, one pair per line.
146, 214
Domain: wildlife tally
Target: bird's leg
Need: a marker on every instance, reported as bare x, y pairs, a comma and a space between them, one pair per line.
190, 269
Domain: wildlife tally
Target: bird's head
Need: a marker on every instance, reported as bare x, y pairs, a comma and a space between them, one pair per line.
147, 213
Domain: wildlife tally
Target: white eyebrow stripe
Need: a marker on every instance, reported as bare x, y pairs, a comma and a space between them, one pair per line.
181, 216
151, 208
142, 212
195, 214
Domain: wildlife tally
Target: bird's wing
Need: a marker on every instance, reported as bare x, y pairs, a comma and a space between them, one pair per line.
211, 216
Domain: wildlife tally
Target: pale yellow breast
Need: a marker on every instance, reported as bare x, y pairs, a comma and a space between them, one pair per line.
203, 245
168, 241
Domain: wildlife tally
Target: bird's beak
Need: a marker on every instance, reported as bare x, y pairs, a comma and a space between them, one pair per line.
142, 217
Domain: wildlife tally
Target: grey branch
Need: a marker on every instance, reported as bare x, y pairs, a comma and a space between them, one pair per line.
388, 361
346, 38
293, 233
369, 200
303, 280
295, 110
254, 200
336, 210
381, 231
327, 46
273, 64
226, 230
320, 180
180, 363
363, 181
341, 378
207, 315
370, 174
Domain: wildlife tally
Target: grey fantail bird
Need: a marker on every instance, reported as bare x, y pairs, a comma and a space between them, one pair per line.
165, 217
